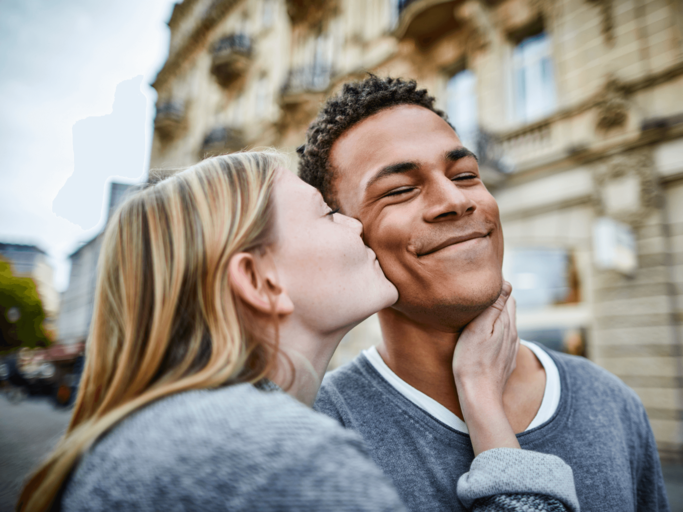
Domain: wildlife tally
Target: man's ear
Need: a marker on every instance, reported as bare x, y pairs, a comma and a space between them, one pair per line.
257, 284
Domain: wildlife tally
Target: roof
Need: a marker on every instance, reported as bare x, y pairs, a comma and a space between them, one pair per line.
4, 246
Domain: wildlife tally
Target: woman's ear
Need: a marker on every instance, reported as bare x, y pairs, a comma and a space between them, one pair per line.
257, 284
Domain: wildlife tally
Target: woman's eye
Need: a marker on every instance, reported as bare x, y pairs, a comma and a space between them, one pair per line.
332, 212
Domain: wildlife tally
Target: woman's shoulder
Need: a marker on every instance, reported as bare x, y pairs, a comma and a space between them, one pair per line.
189, 445
224, 419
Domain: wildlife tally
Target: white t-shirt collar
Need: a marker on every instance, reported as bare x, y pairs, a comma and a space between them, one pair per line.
551, 395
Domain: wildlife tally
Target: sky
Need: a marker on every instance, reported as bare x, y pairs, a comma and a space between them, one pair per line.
74, 79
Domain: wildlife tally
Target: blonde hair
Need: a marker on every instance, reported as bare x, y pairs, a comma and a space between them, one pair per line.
165, 320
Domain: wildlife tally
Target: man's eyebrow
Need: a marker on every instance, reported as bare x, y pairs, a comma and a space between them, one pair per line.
456, 154
399, 168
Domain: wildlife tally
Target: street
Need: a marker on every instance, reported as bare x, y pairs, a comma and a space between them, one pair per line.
29, 430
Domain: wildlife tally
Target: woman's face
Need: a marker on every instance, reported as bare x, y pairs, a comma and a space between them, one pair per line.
332, 278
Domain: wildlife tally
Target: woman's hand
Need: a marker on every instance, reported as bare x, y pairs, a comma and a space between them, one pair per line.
484, 358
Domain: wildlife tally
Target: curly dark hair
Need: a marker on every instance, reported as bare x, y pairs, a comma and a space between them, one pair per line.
356, 101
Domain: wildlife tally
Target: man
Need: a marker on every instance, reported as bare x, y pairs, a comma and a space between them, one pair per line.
383, 154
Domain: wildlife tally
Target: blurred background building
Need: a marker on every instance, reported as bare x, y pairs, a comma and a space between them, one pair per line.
32, 262
78, 299
573, 106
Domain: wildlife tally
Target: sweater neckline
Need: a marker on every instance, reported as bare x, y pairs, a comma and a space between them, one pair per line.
438, 427
548, 406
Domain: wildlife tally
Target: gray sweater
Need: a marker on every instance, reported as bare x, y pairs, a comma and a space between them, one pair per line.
600, 429
242, 448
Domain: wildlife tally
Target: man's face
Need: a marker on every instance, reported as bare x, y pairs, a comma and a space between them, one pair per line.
405, 175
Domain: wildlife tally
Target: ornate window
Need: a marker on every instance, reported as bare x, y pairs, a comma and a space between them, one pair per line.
461, 106
542, 277
533, 78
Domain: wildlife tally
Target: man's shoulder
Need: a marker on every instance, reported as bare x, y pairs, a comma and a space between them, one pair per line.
351, 373
586, 378
347, 387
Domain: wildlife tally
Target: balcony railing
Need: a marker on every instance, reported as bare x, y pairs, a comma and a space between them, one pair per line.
307, 79
170, 118
528, 143
231, 57
222, 139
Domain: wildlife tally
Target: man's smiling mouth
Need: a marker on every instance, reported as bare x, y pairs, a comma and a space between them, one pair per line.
454, 240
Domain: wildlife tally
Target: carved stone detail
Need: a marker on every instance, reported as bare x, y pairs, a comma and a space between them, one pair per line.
544, 8
605, 7
632, 170
479, 30
613, 106
311, 12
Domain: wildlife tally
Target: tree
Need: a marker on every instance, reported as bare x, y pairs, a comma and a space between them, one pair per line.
21, 312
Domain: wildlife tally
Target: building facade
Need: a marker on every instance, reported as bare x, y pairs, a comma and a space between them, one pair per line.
31, 261
78, 299
575, 104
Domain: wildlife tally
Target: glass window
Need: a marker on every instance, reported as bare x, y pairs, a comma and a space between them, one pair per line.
394, 6
541, 277
322, 62
262, 97
461, 106
533, 78
268, 13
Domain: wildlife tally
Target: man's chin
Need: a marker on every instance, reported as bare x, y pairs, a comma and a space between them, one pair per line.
451, 314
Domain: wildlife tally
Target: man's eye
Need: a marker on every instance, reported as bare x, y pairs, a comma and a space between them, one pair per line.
463, 177
398, 192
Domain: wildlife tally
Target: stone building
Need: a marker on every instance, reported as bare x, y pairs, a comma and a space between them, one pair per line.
574, 107
78, 299
31, 261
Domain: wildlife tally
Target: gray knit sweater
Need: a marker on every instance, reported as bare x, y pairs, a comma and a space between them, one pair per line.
242, 448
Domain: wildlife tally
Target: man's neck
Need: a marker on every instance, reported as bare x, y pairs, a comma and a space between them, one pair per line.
422, 356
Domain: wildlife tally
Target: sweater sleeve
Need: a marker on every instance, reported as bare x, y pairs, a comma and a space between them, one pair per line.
507, 479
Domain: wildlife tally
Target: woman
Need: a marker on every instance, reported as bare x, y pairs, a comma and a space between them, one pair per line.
229, 274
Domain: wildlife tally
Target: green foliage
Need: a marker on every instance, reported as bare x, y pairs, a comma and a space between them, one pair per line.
21, 293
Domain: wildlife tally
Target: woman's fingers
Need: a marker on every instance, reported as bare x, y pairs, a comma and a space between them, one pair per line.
485, 321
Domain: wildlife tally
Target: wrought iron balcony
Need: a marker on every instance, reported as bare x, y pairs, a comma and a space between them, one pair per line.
222, 139
231, 58
314, 78
170, 118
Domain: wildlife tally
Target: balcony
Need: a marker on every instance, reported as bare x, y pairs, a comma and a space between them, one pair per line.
426, 20
494, 165
221, 140
231, 58
311, 12
170, 119
528, 144
303, 79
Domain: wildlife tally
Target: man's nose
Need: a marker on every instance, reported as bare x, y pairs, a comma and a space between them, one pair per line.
445, 200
